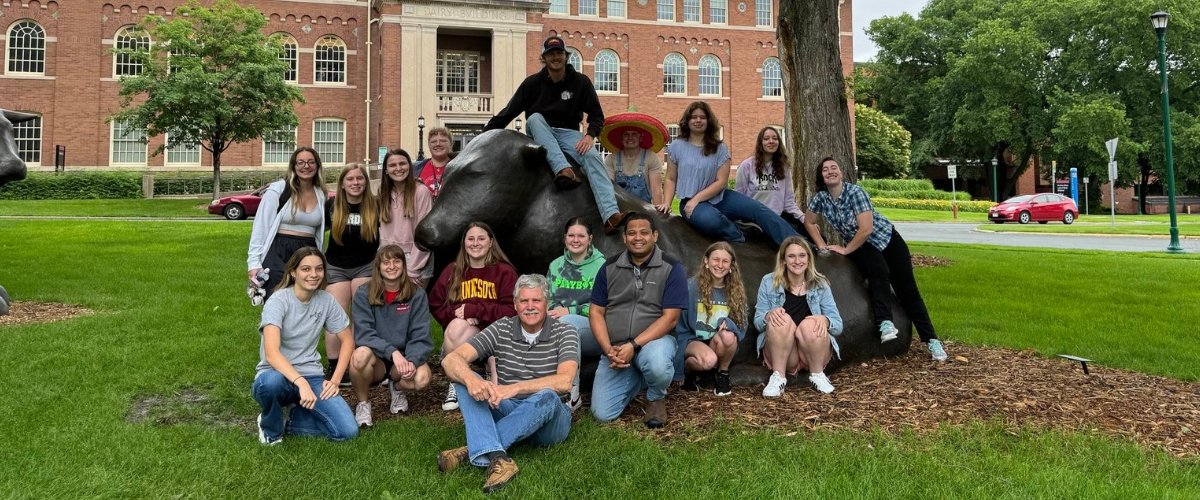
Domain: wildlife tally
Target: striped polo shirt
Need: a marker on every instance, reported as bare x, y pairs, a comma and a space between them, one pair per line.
516, 359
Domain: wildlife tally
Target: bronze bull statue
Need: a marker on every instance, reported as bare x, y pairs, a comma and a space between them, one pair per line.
502, 178
12, 168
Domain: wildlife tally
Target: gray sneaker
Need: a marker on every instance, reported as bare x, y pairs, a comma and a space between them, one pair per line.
937, 350
887, 331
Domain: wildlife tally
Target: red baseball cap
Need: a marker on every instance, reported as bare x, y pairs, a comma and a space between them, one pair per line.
553, 43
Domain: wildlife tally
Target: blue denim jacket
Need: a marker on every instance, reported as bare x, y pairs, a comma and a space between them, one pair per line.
820, 301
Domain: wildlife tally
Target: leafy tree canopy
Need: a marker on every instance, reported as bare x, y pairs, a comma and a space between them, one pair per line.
881, 144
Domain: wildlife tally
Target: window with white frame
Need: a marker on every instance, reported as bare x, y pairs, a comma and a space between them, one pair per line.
187, 153
608, 71
718, 11
129, 39
672, 131
691, 11
560, 7
574, 59
289, 54
666, 10
128, 144
616, 8
26, 48
278, 146
600, 149
589, 7
674, 74
329, 139
762, 13
28, 136
710, 75
772, 78
329, 60
457, 72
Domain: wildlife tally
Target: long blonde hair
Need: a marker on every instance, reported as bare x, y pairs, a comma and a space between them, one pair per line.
735, 291
408, 188
368, 208
782, 279
376, 288
494, 256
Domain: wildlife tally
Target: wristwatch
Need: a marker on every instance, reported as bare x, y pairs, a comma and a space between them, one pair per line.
636, 346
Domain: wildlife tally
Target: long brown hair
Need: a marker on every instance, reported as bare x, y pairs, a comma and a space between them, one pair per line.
293, 180
294, 263
735, 291
368, 208
494, 255
778, 159
376, 288
812, 278
711, 141
408, 188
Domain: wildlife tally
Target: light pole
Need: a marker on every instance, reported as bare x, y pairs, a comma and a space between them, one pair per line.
519, 123
1159, 21
995, 192
420, 137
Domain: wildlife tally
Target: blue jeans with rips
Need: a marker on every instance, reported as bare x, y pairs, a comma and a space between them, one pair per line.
716, 220
540, 419
652, 368
330, 418
560, 142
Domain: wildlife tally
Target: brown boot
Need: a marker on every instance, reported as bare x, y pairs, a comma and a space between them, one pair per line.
449, 460
499, 473
656, 414
566, 179
614, 222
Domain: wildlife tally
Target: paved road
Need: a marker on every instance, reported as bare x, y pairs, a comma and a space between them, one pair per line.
966, 233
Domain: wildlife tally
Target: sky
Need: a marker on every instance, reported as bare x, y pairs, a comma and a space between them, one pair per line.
866, 11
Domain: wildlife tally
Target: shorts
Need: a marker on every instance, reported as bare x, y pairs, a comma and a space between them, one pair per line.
338, 275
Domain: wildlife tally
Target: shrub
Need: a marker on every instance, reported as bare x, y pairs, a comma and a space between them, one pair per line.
942, 205
75, 186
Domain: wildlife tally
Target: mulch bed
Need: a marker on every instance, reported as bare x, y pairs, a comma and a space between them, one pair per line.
1017, 389
920, 260
22, 312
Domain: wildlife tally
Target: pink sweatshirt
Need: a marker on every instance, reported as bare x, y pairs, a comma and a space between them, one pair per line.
400, 231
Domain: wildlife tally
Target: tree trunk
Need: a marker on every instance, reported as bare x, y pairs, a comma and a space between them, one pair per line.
217, 149
818, 108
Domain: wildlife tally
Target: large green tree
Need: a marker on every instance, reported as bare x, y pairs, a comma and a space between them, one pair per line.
211, 78
1029, 79
881, 145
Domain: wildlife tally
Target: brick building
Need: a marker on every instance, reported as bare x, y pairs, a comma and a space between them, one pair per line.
370, 69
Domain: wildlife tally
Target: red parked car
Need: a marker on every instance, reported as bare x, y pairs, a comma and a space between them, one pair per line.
1042, 208
241, 206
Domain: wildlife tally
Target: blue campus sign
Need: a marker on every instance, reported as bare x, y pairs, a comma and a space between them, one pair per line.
1075, 185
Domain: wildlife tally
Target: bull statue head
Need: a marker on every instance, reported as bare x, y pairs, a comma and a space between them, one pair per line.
12, 168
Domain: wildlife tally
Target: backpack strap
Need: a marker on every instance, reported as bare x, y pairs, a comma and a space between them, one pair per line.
284, 196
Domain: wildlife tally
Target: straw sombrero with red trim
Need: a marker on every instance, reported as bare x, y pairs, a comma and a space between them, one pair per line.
654, 133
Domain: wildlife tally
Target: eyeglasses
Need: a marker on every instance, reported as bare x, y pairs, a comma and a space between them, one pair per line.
306, 163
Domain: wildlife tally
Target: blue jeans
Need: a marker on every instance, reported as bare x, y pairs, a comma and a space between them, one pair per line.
560, 142
652, 368
588, 348
715, 219
541, 419
329, 418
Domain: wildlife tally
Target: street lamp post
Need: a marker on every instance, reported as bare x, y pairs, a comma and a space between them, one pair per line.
995, 191
420, 137
519, 123
1159, 21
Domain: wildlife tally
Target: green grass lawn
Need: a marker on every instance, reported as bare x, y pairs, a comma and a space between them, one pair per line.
159, 207
172, 316
1189, 226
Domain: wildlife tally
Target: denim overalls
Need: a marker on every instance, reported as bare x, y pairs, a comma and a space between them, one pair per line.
636, 184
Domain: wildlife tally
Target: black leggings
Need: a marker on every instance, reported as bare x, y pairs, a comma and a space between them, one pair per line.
281, 250
890, 270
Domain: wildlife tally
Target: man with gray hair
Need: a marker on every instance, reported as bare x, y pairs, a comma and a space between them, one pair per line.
536, 360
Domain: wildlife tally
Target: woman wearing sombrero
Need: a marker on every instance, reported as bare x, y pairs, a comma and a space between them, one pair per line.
634, 138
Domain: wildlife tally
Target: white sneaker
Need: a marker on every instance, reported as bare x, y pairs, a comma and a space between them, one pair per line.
574, 401
262, 436
399, 399
821, 382
937, 350
887, 331
451, 402
362, 414
775, 386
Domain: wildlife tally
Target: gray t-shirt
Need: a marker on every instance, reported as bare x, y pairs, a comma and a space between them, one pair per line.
300, 326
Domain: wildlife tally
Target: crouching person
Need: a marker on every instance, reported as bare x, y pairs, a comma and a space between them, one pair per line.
391, 330
536, 360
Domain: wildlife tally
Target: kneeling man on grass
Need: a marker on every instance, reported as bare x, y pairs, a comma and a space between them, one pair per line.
536, 359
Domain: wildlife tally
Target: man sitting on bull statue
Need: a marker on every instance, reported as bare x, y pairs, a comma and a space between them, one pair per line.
554, 100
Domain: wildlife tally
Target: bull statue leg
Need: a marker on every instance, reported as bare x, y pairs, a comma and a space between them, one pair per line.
12, 168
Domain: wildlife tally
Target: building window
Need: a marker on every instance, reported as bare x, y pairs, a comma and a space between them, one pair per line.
762, 12
710, 75
28, 135
772, 78
666, 10
458, 72
672, 132
574, 59
329, 61
288, 54
128, 144
674, 74
588, 7
560, 7
183, 154
691, 11
608, 72
124, 62
718, 11
616, 8
26, 48
278, 146
329, 139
